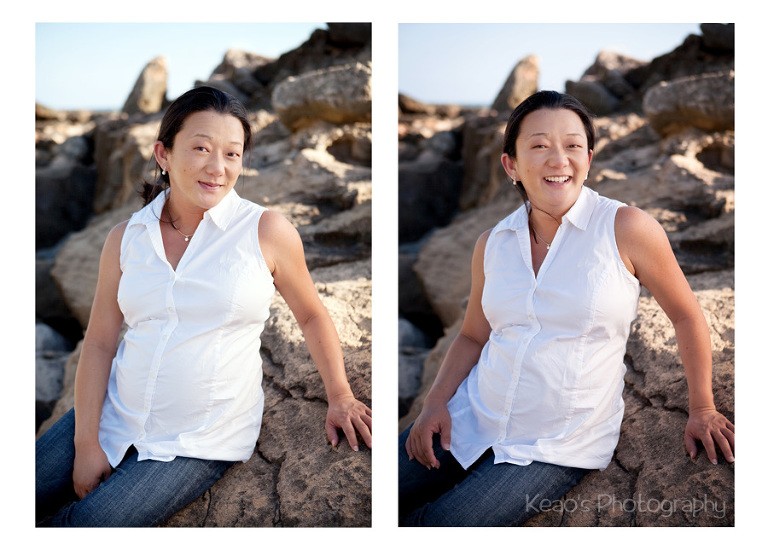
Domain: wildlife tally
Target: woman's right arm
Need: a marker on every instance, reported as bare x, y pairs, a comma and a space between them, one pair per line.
91, 466
462, 355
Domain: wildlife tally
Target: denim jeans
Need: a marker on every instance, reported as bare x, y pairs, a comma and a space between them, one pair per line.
138, 493
487, 494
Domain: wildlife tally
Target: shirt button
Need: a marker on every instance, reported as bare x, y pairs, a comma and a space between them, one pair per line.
170, 308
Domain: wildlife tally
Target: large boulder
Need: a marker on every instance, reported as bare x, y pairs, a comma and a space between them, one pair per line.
148, 94
521, 82
339, 95
702, 101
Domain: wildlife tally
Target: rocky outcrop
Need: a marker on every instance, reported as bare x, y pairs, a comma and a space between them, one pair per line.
521, 82
148, 94
317, 174
665, 144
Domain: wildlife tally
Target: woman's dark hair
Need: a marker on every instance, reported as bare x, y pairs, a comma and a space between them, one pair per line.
203, 98
544, 100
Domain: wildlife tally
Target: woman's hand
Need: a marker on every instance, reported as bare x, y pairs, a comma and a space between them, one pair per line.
711, 428
350, 415
90, 469
432, 420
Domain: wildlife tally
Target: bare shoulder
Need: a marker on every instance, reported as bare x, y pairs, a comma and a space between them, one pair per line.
482, 240
278, 238
274, 227
635, 227
117, 232
641, 240
113, 241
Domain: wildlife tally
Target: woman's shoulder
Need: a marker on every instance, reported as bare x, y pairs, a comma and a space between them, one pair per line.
115, 235
631, 220
273, 225
278, 238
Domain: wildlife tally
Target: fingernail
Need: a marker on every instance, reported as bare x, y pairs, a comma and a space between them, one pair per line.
355, 448
714, 461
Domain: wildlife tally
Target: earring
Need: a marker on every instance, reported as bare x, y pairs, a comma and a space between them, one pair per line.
163, 172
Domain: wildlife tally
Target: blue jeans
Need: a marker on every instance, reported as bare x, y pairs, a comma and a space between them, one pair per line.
137, 494
486, 494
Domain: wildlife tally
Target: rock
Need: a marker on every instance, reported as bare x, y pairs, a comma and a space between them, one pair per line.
484, 178
148, 94
444, 264
718, 37
51, 352
705, 101
594, 95
349, 33
429, 190
521, 82
63, 199
409, 105
339, 95
76, 268
124, 157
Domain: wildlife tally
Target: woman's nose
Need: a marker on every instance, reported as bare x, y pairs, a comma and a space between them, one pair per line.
215, 165
557, 157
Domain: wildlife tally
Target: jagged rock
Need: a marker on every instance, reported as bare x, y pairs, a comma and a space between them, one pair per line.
148, 94
594, 95
339, 94
521, 82
63, 199
123, 152
429, 190
703, 101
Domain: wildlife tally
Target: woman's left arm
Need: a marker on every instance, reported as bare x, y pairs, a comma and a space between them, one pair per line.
646, 252
284, 254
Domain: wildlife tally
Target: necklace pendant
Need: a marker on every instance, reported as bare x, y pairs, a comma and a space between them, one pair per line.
548, 247
186, 239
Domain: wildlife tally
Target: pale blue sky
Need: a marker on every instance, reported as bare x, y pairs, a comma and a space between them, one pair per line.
469, 63
95, 65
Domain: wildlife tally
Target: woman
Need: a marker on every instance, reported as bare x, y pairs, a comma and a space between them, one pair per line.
192, 275
528, 398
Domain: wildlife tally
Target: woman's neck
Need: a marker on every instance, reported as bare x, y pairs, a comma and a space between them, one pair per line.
183, 220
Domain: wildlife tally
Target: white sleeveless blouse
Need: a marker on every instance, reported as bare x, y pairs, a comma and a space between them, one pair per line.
186, 379
548, 385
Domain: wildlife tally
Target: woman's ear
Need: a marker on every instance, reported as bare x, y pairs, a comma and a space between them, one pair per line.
161, 155
510, 167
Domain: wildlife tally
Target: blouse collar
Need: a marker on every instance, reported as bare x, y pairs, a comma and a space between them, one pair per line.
578, 215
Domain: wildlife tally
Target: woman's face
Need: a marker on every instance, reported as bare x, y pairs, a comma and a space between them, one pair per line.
205, 162
553, 159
